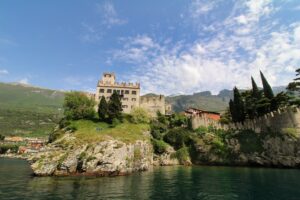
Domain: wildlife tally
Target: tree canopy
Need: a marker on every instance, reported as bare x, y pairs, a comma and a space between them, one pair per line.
78, 106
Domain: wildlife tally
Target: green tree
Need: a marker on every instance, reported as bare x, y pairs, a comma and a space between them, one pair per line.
250, 104
2, 137
239, 110
268, 92
232, 111
255, 91
78, 106
139, 115
294, 90
114, 110
102, 109
295, 85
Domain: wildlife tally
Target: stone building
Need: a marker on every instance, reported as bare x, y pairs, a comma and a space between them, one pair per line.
130, 94
153, 103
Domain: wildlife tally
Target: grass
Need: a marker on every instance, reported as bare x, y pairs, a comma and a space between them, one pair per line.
29, 111
90, 131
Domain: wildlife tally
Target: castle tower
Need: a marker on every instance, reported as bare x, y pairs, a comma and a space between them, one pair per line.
129, 92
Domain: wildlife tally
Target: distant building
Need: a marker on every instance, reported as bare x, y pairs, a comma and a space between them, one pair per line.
190, 112
130, 94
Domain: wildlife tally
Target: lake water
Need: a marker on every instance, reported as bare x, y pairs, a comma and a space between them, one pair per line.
198, 182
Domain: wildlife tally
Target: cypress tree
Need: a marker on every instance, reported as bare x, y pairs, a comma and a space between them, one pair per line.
268, 92
232, 111
238, 105
114, 107
102, 109
255, 90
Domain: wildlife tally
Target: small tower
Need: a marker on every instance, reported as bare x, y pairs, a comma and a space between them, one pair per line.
108, 78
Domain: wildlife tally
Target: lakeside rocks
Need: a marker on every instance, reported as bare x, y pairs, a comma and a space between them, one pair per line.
107, 158
280, 150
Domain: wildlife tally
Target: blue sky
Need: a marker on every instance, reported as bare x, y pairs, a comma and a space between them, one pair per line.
171, 46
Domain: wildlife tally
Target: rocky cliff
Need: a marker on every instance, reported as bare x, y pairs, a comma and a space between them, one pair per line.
249, 149
106, 158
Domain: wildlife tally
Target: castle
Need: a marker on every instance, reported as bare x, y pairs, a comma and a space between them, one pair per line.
130, 94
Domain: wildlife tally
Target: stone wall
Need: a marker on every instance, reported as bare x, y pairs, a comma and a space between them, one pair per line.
278, 121
153, 104
202, 120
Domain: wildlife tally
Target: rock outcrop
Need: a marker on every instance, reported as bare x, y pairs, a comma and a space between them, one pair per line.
270, 150
106, 158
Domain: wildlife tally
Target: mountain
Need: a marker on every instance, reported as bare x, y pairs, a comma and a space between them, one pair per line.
27, 110
207, 101
203, 100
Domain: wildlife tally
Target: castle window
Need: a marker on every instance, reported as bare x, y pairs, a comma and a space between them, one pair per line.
118, 91
122, 91
108, 90
126, 91
101, 90
133, 92
125, 99
133, 99
124, 106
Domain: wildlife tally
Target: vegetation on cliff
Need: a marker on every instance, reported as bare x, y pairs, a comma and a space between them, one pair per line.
254, 103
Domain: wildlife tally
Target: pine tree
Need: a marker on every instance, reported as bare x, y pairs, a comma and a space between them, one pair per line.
102, 109
114, 107
294, 90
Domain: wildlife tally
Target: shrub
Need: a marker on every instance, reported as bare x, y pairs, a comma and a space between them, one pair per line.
114, 122
71, 128
54, 136
2, 137
12, 147
162, 118
177, 137
159, 146
183, 155
158, 129
139, 115
64, 123
178, 120
78, 106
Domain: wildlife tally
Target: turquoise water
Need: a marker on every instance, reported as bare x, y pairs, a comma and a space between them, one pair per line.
200, 182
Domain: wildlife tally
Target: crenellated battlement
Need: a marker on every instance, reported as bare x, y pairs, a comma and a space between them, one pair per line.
101, 83
288, 117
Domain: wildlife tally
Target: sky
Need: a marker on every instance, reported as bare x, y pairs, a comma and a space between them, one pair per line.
169, 46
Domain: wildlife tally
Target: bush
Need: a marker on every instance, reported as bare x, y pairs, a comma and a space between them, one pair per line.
183, 155
162, 118
177, 137
54, 136
139, 115
178, 120
64, 123
71, 128
12, 147
158, 129
159, 146
2, 137
114, 122
78, 106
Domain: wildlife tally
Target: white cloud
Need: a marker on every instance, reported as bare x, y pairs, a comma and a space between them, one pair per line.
24, 81
3, 72
201, 7
110, 15
242, 45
